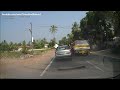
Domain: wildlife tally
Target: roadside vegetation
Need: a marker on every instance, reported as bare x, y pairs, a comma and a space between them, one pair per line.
99, 28
16, 50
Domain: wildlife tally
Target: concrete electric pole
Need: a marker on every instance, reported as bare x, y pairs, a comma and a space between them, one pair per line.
31, 37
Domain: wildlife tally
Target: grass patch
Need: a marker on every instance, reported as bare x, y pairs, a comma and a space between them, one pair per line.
38, 52
7, 54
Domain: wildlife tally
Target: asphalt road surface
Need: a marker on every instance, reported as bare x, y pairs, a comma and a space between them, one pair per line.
81, 67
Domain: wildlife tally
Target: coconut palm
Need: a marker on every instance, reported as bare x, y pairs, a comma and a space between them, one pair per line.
53, 30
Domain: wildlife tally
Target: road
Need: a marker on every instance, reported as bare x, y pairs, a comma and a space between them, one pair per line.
80, 67
48, 67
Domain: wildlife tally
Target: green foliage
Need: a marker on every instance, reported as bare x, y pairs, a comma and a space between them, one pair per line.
63, 41
24, 48
70, 38
4, 46
19, 44
52, 43
99, 26
74, 35
76, 31
6, 54
40, 43
53, 30
11, 46
116, 22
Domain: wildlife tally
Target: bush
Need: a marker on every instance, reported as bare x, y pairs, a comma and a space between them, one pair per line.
24, 49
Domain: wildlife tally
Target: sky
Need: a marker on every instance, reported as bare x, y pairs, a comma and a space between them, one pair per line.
16, 28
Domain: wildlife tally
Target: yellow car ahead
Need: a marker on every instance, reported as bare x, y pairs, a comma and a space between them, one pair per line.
81, 47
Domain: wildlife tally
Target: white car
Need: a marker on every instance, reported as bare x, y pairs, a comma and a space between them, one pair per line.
63, 51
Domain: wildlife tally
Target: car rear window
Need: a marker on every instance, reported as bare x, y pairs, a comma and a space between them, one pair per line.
81, 42
63, 47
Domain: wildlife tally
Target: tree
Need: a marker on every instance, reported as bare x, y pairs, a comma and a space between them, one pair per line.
63, 41
24, 48
4, 46
19, 44
96, 27
116, 22
53, 30
36, 44
40, 43
51, 43
70, 38
45, 41
76, 31
15, 45
11, 46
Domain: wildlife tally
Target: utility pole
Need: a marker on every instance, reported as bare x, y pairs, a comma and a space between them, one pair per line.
31, 37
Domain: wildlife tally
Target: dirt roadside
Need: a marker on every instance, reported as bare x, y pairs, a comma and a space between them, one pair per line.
29, 67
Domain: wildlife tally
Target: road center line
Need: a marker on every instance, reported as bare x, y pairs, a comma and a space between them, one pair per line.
46, 68
95, 66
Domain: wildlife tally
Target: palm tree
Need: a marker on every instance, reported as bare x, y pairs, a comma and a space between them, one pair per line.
53, 30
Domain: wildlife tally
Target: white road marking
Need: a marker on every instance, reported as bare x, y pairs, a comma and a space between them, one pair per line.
95, 66
46, 68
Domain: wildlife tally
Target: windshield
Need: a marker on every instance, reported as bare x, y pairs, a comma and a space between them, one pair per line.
59, 44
